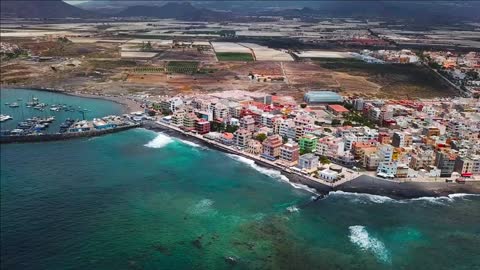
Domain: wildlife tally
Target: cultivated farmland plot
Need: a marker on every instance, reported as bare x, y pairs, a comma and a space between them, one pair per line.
185, 67
263, 53
229, 47
234, 56
149, 70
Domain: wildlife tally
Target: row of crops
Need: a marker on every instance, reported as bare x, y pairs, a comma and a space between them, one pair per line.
149, 69
186, 67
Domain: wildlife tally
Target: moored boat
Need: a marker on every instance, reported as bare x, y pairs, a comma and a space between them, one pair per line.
4, 117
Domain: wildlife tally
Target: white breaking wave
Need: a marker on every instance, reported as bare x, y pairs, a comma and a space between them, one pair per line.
160, 141
361, 238
363, 197
275, 174
292, 209
461, 195
445, 199
191, 143
370, 198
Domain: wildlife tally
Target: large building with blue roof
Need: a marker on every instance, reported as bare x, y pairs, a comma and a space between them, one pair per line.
322, 97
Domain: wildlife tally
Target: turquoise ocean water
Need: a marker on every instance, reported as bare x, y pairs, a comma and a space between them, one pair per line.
143, 200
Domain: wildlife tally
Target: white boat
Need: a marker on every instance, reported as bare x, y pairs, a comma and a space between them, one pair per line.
4, 118
54, 109
16, 131
14, 105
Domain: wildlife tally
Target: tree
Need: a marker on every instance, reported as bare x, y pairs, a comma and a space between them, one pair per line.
216, 126
324, 160
305, 151
261, 137
303, 105
231, 128
347, 123
336, 122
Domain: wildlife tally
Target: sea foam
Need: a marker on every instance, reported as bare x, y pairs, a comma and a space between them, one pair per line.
192, 144
370, 198
203, 207
275, 174
160, 141
292, 209
361, 238
362, 197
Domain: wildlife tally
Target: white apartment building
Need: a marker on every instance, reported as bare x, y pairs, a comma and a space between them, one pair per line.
171, 104
330, 146
385, 152
387, 169
267, 119
288, 129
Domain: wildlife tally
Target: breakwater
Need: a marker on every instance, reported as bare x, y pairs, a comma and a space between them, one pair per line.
62, 136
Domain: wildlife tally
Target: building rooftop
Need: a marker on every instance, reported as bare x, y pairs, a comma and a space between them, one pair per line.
322, 97
338, 108
308, 156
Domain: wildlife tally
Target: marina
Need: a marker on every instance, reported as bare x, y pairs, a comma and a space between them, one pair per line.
42, 112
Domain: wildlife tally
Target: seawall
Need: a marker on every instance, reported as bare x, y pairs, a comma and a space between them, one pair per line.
294, 178
362, 184
62, 136
377, 186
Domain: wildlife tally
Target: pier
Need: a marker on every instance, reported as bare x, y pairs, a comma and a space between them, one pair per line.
63, 136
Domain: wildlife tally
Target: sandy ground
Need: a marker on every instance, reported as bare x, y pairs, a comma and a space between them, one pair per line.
103, 71
128, 104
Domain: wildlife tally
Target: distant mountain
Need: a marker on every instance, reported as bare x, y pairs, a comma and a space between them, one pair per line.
179, 10
41, 9
420, 11
112, 6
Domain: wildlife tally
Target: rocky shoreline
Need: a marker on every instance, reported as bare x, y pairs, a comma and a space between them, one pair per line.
362, 184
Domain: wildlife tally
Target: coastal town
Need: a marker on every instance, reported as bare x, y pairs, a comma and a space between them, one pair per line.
333, 139
286, 135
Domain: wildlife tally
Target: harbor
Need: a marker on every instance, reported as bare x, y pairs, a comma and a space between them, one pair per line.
35, 116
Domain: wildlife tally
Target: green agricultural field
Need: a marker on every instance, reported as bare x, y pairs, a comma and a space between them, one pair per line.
233, 56
149, 70
186, 67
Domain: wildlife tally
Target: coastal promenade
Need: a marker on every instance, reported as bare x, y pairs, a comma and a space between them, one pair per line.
285, 170
356, 182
